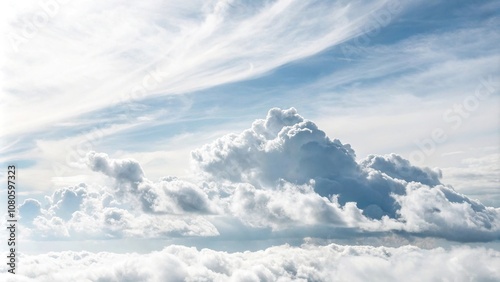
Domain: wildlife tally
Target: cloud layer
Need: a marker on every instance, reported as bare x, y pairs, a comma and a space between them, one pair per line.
283, 173
279, 263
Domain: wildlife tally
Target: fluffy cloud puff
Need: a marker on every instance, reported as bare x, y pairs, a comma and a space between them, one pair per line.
397, 167
133, 207
279, 263
441, 211
126, 170
287, 147
169, 195
83, 212
291, 206
283, 146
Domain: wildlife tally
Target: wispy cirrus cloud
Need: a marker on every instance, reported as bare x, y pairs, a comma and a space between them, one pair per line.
165, 48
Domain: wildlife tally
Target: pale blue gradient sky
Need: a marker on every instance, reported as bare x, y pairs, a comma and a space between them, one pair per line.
79, 84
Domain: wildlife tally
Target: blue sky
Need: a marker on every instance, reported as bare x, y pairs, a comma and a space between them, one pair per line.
154, 88
389, 68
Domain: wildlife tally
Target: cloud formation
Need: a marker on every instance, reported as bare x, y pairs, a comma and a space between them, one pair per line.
169, 195
121, 170
85, 212
283, 173
379, 193
283, 146
397, 167
280, 263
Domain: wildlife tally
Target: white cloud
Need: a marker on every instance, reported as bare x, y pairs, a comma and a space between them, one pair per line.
283, 173
397, 167
280, 263
443, 212
380, 193
169, 195
85, 212
283, 146
121, 170
30, 209
290, 206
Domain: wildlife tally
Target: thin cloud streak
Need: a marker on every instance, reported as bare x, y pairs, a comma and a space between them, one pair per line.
202, 52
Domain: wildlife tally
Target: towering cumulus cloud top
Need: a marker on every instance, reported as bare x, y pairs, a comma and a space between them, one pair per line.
283, 146
283, 173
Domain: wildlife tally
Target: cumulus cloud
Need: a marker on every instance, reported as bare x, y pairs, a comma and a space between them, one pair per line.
169, 195
283, 146
283, 173
397, 167
280, 263
126, 170
287, 147
289, 205
64, 202
379, 193
441, 211
133, 206
84, 212
29, 209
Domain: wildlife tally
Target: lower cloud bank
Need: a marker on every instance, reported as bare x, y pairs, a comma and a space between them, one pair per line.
308, 262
